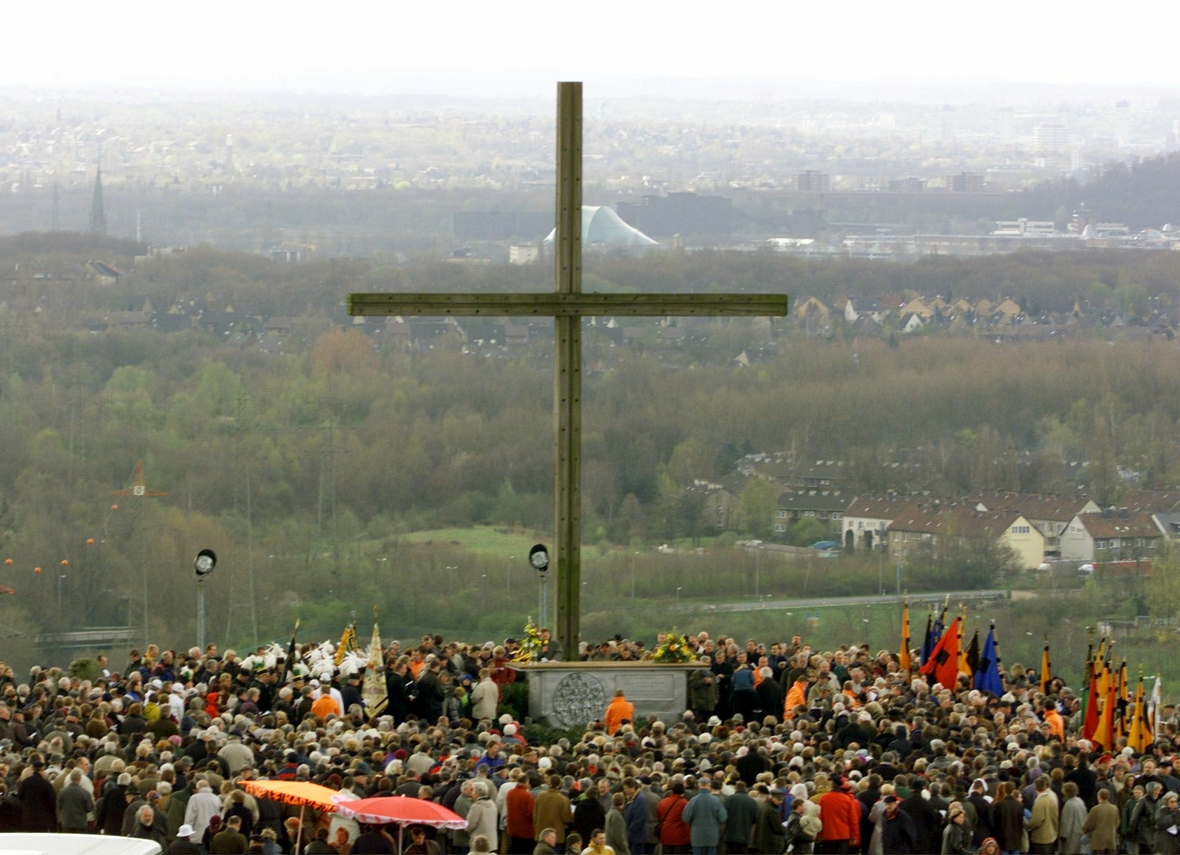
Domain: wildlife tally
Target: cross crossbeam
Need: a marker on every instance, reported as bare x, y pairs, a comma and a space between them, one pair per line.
567, 305
556, 305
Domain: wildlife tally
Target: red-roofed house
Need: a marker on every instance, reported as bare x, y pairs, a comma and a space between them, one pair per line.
1110, 535
929, 527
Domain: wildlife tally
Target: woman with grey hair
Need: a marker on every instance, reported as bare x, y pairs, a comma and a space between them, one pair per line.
1167, 826
481, 817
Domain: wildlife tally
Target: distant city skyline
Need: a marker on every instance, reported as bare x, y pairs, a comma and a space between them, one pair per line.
520, 49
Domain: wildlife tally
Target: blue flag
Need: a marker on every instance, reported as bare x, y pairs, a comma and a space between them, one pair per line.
987, 677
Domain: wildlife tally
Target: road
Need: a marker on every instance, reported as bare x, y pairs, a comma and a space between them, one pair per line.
916, 601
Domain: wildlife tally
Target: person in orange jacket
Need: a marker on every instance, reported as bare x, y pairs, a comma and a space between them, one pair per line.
796, 696
1055, 721
619, 711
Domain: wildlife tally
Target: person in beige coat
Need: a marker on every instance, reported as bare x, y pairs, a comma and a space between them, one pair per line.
485, 697
1043, 824
1102, 824
552, 809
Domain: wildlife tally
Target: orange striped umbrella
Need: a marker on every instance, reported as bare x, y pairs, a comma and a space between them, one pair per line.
299, 793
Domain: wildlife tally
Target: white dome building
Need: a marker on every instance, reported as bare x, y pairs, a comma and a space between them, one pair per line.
602, 228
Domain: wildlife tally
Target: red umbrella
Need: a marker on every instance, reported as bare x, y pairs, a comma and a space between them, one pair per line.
400, 809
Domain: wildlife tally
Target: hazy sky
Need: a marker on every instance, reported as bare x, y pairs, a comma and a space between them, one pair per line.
525, 45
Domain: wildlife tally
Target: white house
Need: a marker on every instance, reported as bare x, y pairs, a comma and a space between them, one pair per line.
1110, 535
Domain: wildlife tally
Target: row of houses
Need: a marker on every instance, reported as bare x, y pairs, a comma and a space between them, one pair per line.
1036, 528
1004, 315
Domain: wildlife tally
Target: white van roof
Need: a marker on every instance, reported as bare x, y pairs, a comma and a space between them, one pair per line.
76, 844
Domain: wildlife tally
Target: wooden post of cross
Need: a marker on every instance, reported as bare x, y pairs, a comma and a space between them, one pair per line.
567, 305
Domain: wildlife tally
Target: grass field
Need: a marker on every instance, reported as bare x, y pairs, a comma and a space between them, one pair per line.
491, 542
492, 592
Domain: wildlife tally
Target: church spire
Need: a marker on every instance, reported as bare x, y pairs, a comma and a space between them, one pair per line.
98, 219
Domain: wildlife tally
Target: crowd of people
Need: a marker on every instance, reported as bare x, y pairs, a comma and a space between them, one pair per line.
782, 749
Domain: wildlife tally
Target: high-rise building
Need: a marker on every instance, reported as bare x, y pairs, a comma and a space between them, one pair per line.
1122, 123
1050, 136
811, 181
948, 123
965, 182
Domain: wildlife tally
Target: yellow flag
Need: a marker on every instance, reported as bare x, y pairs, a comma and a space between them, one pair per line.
1136, 735
1046, 668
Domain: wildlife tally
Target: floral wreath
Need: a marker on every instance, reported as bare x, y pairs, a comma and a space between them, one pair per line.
674, 648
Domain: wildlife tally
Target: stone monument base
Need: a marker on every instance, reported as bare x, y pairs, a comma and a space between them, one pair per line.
566, 694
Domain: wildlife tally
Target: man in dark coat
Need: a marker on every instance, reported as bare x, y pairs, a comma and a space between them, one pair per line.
770, 696
751, 764
431, 692
702, 693
898, 835
351, 692
769, 834
926, 819
1008, 817
113, 804
982, 828
12, 813
741, 818
588, 812
397, 692
148, 827
1087, 779
853, 733
39, 800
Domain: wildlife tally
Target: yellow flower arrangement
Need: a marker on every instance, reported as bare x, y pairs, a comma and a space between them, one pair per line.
530, 644
674, 648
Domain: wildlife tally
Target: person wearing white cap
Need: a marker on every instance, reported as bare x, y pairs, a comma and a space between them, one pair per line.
183, 843
176, 702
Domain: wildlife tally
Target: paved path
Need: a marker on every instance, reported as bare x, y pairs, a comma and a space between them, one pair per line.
917, 601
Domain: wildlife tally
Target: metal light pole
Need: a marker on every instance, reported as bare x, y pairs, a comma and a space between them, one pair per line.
539, 561
205, 561
758, 573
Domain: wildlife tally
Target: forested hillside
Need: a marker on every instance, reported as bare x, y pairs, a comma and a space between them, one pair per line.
307, 455
1145, 195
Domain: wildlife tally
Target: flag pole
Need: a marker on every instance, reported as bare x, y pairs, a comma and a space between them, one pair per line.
1046, 666
996, 647
289, 664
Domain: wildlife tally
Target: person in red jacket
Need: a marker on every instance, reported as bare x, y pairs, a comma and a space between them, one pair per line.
840, 813
675, 834
518, 807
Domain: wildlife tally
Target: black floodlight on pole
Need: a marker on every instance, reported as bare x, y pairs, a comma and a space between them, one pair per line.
203, 565
539, 561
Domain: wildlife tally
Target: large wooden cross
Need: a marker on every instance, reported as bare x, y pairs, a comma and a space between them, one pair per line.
566, 304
